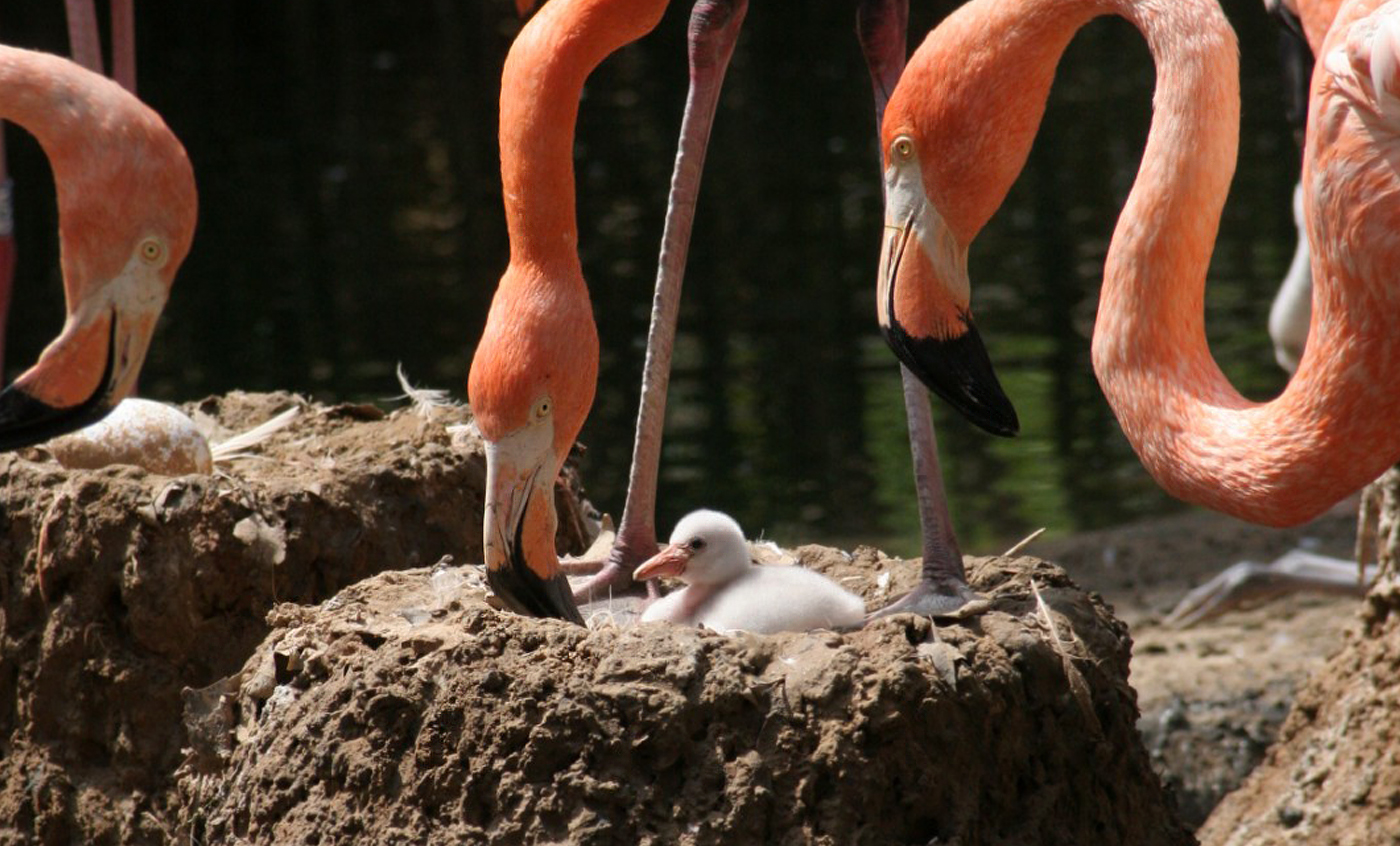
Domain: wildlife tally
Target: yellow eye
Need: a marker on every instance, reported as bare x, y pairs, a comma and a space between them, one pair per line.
902, 149
542, 408
152, 251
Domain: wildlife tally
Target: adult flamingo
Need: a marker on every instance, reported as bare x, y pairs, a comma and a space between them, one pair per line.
85, 44
127, 209
1302, 30
958, 130
535, 370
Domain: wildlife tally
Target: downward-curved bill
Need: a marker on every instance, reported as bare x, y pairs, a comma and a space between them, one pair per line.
930, 329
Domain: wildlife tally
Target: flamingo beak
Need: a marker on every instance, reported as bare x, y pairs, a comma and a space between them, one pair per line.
670, 561
521, 564
922, 302
79, 378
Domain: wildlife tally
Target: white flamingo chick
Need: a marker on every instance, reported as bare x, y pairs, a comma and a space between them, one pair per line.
726, 591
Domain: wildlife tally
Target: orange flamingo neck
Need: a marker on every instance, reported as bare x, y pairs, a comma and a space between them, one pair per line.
540, 88
1332, 430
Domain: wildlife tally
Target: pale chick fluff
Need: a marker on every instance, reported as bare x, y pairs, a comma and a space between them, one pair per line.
152, 435
725, 591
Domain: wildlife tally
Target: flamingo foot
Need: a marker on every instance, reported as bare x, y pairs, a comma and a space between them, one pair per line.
613, 581
943, 599
1249, 582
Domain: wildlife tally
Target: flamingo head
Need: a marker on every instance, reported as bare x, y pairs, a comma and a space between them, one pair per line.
127, 211
531, 384
955, 135
706, 547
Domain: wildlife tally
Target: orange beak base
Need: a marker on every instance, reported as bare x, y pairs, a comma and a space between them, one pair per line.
670, 561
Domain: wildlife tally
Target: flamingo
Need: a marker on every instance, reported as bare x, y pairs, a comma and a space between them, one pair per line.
127, 210
1290, 315
725, 591
535, 370
84, 41
957, 132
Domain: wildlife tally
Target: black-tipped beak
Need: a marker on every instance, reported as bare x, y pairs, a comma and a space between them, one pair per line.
519, 524
26, 421
960, 371
526, 592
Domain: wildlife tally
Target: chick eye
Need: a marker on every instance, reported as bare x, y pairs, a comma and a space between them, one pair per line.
152, 251
697, 544
902, 149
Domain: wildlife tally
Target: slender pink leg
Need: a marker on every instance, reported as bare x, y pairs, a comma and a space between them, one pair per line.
7, 247
124, 44
83, 37
883, 29
714, 29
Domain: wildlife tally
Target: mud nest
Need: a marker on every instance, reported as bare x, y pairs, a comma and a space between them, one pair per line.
405, 710
120, 588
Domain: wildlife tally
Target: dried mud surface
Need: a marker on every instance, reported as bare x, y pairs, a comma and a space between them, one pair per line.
1213, 696
1334, 775
405, 710
118, 588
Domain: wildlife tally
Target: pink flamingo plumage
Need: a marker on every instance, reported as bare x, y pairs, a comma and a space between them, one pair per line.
85, 43
957, 132
127, 210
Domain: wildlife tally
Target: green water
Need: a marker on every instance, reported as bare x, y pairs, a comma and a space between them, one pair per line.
351, 220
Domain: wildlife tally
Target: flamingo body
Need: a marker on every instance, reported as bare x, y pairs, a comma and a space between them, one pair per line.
958, 130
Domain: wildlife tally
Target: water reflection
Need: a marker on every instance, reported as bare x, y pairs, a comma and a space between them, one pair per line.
351, 219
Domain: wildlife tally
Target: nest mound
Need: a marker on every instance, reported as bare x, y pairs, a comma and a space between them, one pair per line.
119, 588
406, 710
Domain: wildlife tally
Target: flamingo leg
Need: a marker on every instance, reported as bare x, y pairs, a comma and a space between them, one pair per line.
1249, 582
124, 44
83, 37
942, 590
714, 29
7, 247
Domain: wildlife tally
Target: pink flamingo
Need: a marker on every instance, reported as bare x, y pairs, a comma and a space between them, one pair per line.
535, 370
127, 210
957, 132
87, 51
1304, 28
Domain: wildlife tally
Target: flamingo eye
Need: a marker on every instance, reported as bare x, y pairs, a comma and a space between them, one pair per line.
542, 409
152, 251
902, 149
697, 544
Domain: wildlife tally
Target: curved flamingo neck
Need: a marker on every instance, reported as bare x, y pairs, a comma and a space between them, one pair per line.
540, 88
1332, 430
